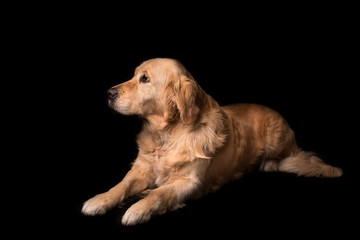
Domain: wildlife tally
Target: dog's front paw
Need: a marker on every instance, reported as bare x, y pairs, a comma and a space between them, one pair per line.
99, 204
137, 213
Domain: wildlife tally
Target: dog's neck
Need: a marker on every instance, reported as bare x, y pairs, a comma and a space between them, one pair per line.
157, 123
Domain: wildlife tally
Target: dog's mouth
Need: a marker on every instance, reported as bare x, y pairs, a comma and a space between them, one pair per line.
113, 107
111, 103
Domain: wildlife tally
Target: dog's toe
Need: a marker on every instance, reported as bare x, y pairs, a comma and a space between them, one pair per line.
98, 205
92, 207
135, 214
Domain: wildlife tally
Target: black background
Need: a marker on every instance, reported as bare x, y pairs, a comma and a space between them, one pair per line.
296, 62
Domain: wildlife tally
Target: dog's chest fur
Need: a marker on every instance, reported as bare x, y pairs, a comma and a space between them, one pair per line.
161, 152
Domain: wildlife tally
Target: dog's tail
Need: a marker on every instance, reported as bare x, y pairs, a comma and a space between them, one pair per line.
303, 164
307, 164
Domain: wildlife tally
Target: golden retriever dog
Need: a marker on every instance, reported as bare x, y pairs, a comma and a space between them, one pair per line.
190, 145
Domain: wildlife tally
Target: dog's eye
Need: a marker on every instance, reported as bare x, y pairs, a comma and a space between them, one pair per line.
144, 79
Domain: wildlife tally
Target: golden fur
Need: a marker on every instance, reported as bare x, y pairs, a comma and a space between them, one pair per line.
190, 145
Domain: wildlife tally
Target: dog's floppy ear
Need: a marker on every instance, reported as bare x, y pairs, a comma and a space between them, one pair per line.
171, 110
188, 99
184, 98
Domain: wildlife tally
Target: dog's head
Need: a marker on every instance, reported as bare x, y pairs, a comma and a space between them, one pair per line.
162, 89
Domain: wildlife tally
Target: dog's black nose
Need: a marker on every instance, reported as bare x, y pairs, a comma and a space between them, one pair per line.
112, 93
